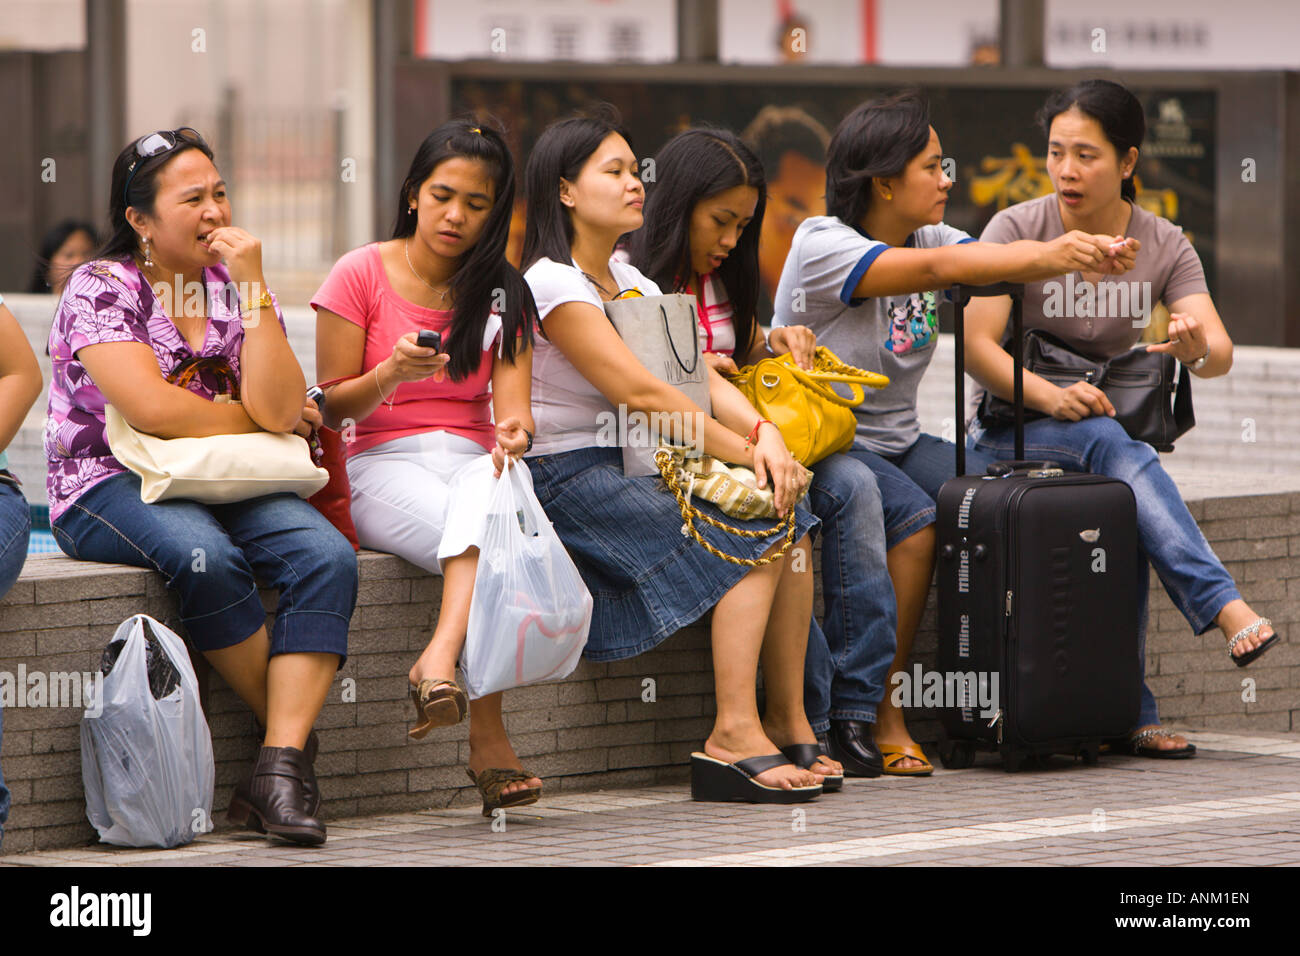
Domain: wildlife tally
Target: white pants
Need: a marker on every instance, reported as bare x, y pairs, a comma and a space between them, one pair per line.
423, 497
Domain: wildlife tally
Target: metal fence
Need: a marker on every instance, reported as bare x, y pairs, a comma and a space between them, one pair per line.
285, 176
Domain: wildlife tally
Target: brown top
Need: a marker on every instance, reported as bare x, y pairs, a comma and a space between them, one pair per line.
1104, 318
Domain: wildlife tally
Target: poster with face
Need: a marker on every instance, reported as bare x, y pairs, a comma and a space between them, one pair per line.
997, 152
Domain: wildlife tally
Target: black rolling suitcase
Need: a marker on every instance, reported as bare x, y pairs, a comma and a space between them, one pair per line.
1037, 573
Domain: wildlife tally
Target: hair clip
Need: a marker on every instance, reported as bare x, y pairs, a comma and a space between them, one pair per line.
475, 129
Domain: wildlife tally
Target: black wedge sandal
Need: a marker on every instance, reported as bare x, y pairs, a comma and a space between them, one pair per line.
805, 756
717, 781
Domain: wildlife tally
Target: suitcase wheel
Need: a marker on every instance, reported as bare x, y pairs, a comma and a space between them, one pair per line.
1012, 760
957, 754
1090, 756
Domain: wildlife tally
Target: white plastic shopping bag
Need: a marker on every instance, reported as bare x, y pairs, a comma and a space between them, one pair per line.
146, 759
530, 613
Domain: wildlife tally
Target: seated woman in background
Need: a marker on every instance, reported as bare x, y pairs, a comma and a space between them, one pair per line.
420, 467
647, 578
862, 278
703, 217
120, 331
1094, 130
20, 386
65, 246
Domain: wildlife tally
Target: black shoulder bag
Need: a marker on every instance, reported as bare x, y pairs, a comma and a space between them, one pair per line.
1151, 394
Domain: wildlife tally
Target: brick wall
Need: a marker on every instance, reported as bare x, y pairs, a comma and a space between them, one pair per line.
592, 729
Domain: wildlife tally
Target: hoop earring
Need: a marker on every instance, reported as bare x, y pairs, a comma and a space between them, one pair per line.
148, 258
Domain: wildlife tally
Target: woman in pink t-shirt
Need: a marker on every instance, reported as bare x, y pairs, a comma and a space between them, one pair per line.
418, 421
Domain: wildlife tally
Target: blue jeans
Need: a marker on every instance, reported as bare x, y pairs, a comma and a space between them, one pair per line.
1168, 535
848, 661
210, 555
909, 482
15, 528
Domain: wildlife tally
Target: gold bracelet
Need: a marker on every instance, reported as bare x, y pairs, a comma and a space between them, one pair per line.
382, 399
263, 302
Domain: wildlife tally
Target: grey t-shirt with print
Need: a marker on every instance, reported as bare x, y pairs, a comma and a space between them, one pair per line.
892, 335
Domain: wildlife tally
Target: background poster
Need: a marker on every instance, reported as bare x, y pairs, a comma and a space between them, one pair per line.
990, 133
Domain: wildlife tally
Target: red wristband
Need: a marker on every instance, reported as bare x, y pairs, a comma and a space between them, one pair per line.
752, 437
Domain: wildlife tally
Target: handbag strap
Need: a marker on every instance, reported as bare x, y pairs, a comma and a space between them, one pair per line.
335, 381
695, 341
669, 468
827, 368
1184, 417
194, 366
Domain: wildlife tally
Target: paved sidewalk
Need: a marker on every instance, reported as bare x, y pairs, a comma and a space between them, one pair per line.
1237, 803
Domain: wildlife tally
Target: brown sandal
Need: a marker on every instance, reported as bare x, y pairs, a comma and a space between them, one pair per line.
441, 703
492, 781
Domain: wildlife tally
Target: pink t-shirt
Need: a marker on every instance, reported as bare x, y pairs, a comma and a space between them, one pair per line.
357, 289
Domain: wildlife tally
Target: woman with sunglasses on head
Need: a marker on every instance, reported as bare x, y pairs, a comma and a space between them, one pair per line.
425, 450
154, 301
703, 217
862, 277
624, 533
1094, 130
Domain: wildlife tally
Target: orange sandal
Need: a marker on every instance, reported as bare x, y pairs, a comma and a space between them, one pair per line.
894, 755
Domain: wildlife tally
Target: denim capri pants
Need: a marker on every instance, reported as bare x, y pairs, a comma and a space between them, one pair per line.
646, 578
213, 556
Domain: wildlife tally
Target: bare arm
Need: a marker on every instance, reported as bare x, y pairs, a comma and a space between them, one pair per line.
340, 351
271, 384
20, 377
1194, 325
512, 386
900, 271
127, 373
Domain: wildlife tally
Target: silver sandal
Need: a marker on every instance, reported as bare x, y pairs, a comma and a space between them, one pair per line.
1250, 630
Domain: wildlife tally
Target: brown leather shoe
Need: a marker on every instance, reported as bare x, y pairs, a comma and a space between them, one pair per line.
310, 788
272, 799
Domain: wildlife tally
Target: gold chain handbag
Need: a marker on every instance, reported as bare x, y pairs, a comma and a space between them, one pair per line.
733, 489
814, 419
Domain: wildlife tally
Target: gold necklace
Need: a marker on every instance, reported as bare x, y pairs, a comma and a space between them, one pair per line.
442, 296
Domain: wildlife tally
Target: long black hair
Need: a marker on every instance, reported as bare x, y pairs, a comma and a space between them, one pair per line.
1115, 109
484, 281
560, 153
51, 243
877, 140
138, 186
693, 166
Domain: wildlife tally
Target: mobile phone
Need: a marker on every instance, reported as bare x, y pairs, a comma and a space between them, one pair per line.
429, 339
317, 395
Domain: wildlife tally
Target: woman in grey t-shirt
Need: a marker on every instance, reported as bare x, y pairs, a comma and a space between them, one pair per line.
1093, 133
863, 279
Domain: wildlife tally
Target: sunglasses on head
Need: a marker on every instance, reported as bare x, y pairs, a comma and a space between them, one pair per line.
156, 144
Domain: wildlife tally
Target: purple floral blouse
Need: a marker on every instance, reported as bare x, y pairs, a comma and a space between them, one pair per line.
110, 301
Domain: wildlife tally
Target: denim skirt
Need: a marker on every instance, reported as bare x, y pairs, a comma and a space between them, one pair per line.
646, 578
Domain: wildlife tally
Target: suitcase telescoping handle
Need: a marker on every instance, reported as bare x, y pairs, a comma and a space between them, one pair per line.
961, 294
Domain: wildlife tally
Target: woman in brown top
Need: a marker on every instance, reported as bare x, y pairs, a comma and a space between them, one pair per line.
1093, 131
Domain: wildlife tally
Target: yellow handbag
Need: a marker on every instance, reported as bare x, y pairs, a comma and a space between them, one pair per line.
814, 419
